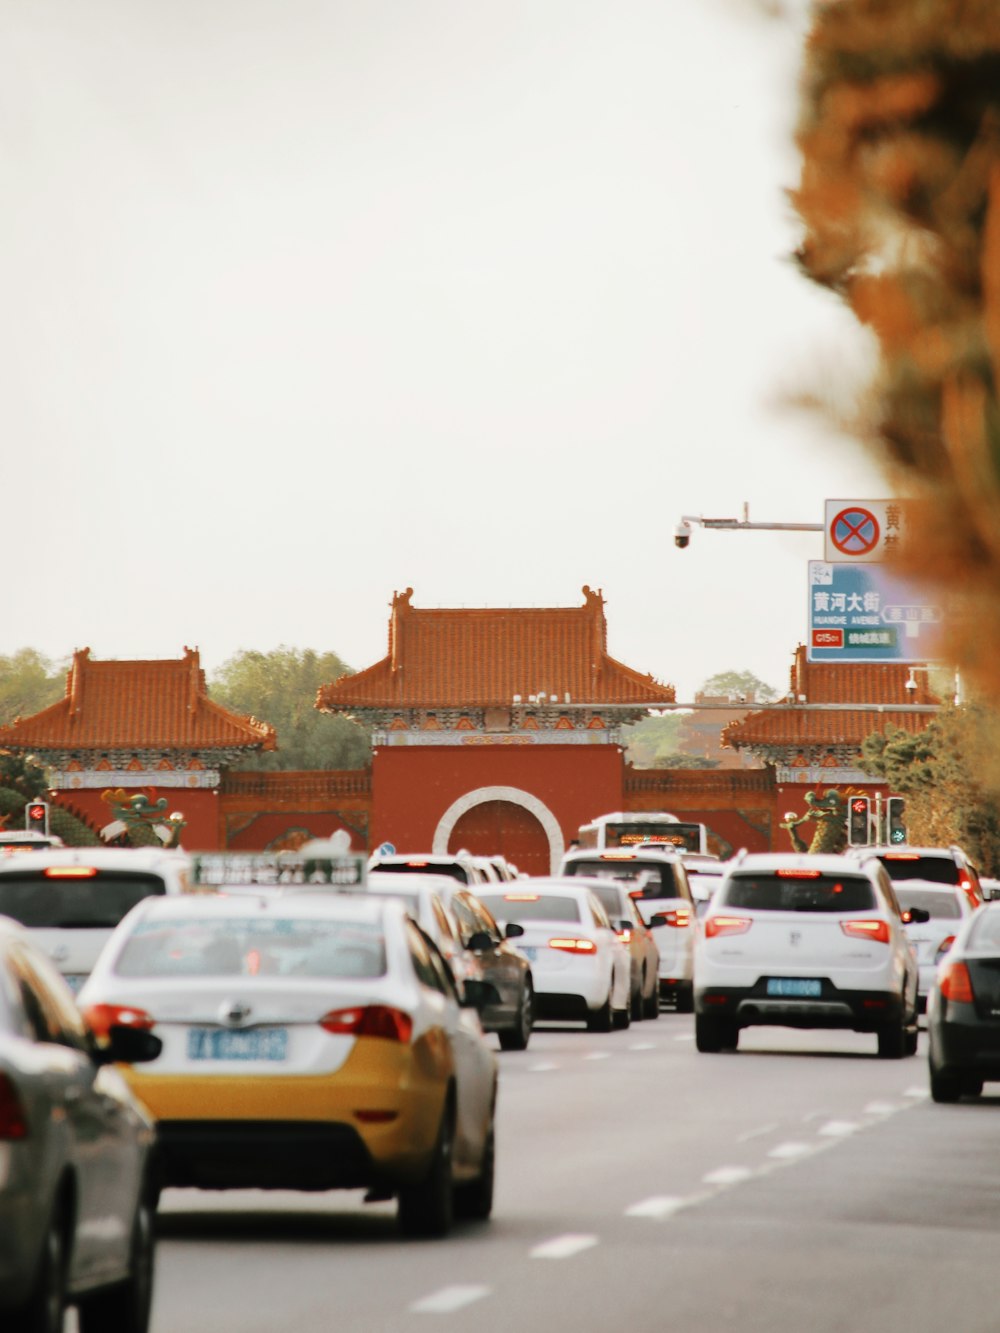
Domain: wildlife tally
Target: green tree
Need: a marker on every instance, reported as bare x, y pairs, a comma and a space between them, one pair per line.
29, 682
948, 775
653, 742
738, 685
280, 687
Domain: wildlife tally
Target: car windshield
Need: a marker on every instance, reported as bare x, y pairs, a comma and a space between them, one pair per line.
798, 891
531, 906
985, 932
74, 897
940, 904
911, 865
653, 874
247, 946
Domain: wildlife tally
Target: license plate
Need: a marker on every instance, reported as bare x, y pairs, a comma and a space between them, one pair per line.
796, 987
530, 952
253, 1044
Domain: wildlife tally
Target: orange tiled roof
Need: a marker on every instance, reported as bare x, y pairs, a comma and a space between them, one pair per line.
157, 705
839, 683
459, 658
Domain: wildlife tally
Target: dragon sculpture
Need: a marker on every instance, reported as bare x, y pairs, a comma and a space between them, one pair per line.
829, 815
136, 813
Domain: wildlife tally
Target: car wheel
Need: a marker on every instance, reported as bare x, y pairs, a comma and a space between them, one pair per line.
972, 1086
910, 1041
125, 1307
652, 1000
475, 1200
685, 1000
599, 1020
892, 1041
945, 1087
426, 1209
517, 1037
712, 1034
638, 1008
622, 1017
44, 1310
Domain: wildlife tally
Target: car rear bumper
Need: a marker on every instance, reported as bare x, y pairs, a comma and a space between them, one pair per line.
749, 1006
969, 1045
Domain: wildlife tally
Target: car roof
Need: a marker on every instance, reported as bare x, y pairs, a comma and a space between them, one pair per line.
103, 858
826, 864
908, 849
572, 886
284, 902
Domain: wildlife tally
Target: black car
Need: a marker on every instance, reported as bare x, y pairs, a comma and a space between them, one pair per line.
963, 1011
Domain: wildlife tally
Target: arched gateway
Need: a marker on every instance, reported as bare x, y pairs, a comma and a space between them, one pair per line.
503, 821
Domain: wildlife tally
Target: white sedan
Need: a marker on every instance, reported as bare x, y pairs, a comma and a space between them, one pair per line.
581, 969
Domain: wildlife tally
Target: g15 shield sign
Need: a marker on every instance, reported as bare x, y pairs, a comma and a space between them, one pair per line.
861, 613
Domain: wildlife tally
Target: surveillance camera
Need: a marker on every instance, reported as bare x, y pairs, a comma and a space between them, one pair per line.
682, 535
910, 683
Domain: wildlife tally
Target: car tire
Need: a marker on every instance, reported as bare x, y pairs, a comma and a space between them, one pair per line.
711, 1034
684, 1002
622, 1018
892, 1041
517, 1037
474, 1201
972, 1086
427, 1209
652, 1001
945, 1086
600, 1020
637, 1006
910, 1041
125, 1307
45, 1308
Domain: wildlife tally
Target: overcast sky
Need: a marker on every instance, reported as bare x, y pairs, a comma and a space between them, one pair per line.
305, 301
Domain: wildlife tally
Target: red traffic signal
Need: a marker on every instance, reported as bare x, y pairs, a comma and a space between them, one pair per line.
858, 814
36, 816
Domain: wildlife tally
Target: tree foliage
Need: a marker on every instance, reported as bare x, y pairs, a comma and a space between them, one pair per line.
900, 196
739, 685
280, 687
29, 682
948, 774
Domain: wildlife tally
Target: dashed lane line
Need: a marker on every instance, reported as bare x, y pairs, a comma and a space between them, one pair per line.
728, 1175
643, 1046
545, 1067
448, 1299
838, 1129
598, 1055
658, 1207
790, 1150
881, 1108
563, 1247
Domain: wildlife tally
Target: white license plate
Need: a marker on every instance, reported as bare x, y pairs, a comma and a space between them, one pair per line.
252, 1044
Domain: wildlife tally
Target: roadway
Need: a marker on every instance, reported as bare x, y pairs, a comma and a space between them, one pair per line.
799, 1184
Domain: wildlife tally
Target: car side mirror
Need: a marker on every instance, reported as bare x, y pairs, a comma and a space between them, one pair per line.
513, 931
916, 916
480, 941
133, 1046
479, 995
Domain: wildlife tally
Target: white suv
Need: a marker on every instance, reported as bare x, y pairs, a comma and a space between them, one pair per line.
806, 942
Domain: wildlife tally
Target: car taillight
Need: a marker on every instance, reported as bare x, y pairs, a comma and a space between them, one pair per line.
371, 1020
943, 947
969, 889
624, 935
956, 984
678, 919
867, 930
573, 946
69, 872
101, 1018
13, 1123
726, 925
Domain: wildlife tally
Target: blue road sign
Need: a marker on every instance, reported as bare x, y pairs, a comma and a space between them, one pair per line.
861, 613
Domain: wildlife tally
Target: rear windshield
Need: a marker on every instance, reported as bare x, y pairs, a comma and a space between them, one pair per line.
95, 902
911, 865
783, 893
940, 905
234, 947
985, 933
422, 868
654, 876
610, 898
543, 907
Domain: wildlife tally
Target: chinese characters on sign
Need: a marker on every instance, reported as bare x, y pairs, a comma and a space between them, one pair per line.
860, 613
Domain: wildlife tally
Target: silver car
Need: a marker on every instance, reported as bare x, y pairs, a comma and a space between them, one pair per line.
76, 1193
948, 907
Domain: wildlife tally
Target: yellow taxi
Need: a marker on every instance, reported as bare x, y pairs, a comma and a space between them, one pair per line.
310, 1041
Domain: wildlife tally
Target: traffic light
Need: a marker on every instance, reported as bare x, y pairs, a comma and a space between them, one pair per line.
858, 811
36, 817
896, 818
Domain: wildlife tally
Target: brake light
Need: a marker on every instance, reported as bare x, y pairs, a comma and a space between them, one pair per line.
101, 1018
943, 947
901, 856
969, 889
679, 918
416, 865
520, 897
624, 935
573, 945
726, 925
69, 872
372, 1020
867, 930
13, 1123
798, 874
956, 984
617, 856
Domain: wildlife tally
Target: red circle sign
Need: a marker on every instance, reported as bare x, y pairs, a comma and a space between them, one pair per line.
855, 531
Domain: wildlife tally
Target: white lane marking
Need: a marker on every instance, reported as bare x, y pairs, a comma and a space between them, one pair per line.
917, 1092
880, 1108
660, 1206
757, 1133
643, 1046
836, 1129
789, 1150
448, 1299
563, 1247
598, 1055
685, 1036
543, 1068
728, 1175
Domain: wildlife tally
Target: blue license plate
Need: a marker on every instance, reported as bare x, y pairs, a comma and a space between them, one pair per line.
795, 987
253, 1044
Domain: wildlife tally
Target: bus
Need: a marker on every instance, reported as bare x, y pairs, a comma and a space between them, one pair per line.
629, 827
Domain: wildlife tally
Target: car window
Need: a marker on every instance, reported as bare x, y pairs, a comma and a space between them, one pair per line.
798, 891
421, 956
610, 897
532, 906
942, 905
597, 911
50, 1013
441, 917
74, 897
913, 865
443, 972
985, 932
248, 946
485, 919
657, 876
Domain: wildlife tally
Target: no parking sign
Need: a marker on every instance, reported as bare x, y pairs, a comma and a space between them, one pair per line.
862, 531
